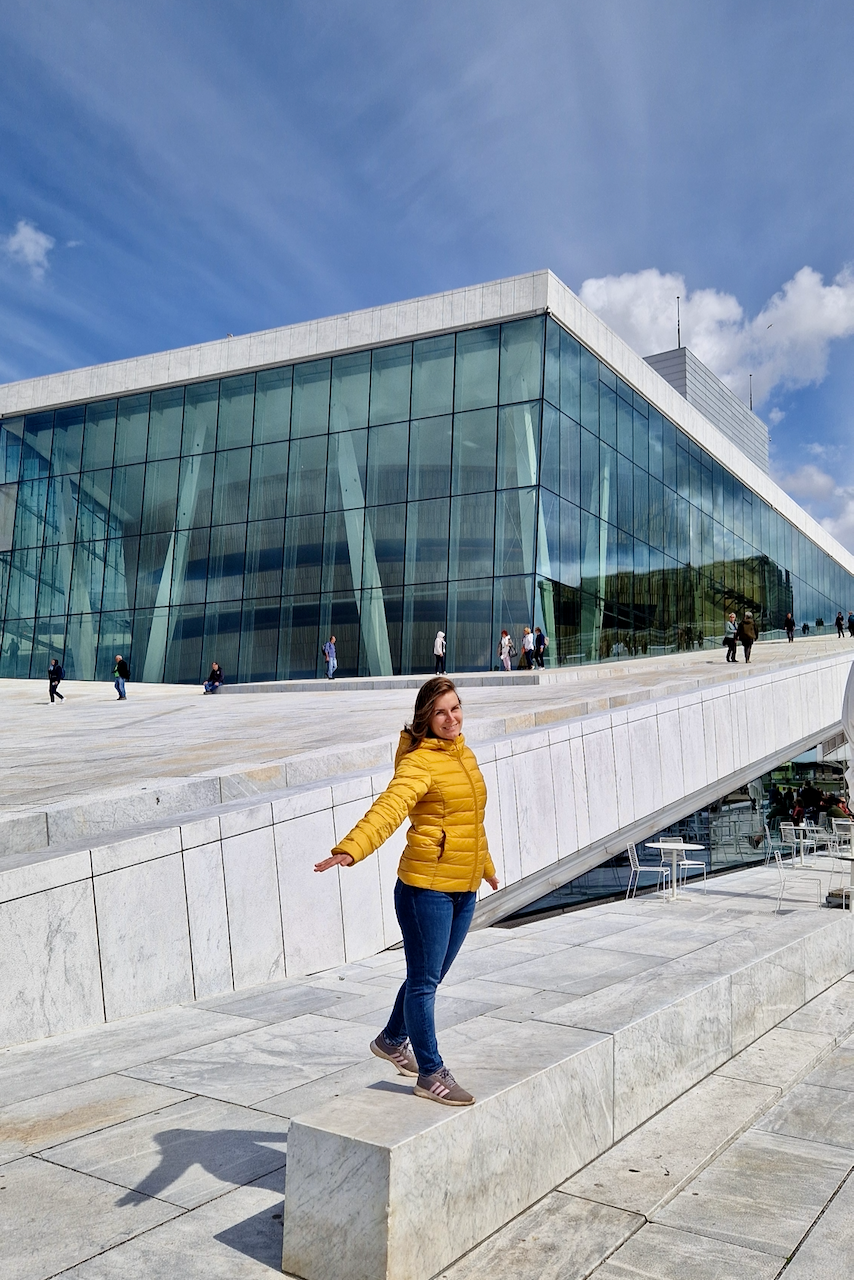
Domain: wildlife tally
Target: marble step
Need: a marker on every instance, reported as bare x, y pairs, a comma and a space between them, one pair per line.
383, 1186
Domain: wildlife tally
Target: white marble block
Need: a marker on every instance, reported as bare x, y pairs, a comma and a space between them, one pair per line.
386, 1186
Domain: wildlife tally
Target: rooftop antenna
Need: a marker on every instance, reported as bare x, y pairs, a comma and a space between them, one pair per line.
750, 384
678, 324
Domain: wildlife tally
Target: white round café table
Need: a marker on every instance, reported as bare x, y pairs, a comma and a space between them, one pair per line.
674, 849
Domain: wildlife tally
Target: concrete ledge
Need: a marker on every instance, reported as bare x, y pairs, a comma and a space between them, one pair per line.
381, 1187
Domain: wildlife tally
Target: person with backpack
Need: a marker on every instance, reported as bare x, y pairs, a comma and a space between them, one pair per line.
121, 672
55, 673
506, 650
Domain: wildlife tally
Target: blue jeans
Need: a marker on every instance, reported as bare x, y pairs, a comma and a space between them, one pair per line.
434, 926
120, 686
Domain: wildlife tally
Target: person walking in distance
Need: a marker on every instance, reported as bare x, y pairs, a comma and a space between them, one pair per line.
121, 673
506, 650
789, 625
851, 623
528, 648
437, 784
731, 638
840, 625
54, 674
541, 643
439, 652
747, 633
330, 657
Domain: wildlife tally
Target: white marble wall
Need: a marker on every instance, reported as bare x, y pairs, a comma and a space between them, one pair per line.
228, 898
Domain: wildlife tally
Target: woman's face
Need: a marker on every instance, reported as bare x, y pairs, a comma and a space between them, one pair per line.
447, 718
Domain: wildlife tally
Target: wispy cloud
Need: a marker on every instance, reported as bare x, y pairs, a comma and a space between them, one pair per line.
785, 346
29, 247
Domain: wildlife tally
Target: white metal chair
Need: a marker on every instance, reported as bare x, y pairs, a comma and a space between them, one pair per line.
662, 872
787, 876
842, 831
770, 846
796, 840
683, 862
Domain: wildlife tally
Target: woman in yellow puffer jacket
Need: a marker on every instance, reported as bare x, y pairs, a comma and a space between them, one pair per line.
438, 785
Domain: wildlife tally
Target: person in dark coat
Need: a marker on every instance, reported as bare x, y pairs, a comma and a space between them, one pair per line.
121, 672
54, 675
747, 633
840, 625
215, 678
851, 623
789, 624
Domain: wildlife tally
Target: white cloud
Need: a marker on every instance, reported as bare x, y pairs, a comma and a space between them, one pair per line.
785, 346
29, 246
830, 502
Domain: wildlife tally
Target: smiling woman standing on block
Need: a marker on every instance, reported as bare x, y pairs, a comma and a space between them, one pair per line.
438, 785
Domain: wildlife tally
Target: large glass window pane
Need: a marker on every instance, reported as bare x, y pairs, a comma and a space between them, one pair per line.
231, 486
184, 650
655, 458
624, 518
668, 453
310, 411
195, 490
299, 638
93, 504
11, 434
518, 445
273, 405
475, 441
99, 435
589, 472
514, 531
351, 383
589, 391
226, 562
131, 430
126, 499
264, 559
570, 459
55, 579
551, 386
521, 366
384, 546
427, 541
512, 609
38, 434
346, 472
190, 566
160, 500
303, 555
259, 639
164, 425
30, 513
472, 536
236, 406
425, 611
388, 455
200, 413
154, 565
570, 376
570, 544
430, 458
221, 640
548, 536
550, 449
269, 482
640, 442
608, 414
67, 440
433, 376
391, 373
625, 429
342, 550
641, 504
61, 514
307, 475
469, 631
476, 383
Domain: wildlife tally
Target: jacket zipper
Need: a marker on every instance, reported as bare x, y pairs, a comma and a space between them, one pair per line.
476, 811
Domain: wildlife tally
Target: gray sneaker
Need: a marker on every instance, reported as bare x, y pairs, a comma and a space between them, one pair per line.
399, 1055
442, 1087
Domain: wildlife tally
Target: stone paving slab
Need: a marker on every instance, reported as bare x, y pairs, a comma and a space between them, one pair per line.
763, 1194
827, 1251
662, 1253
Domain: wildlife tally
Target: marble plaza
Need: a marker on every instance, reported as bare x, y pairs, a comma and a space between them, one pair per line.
663, 1090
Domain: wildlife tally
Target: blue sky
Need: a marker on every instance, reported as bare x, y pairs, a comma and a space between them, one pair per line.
175, 172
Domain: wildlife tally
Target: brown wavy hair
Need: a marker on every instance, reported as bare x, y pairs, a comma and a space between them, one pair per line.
425, 705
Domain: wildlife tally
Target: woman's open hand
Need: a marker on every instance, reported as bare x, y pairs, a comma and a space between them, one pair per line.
334, 860
492, 881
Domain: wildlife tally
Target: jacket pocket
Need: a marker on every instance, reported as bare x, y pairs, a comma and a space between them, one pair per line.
440, 855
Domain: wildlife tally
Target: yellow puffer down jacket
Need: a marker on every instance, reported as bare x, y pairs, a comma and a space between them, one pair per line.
441, 789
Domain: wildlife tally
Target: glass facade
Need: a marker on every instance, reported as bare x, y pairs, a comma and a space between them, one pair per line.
485, 478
